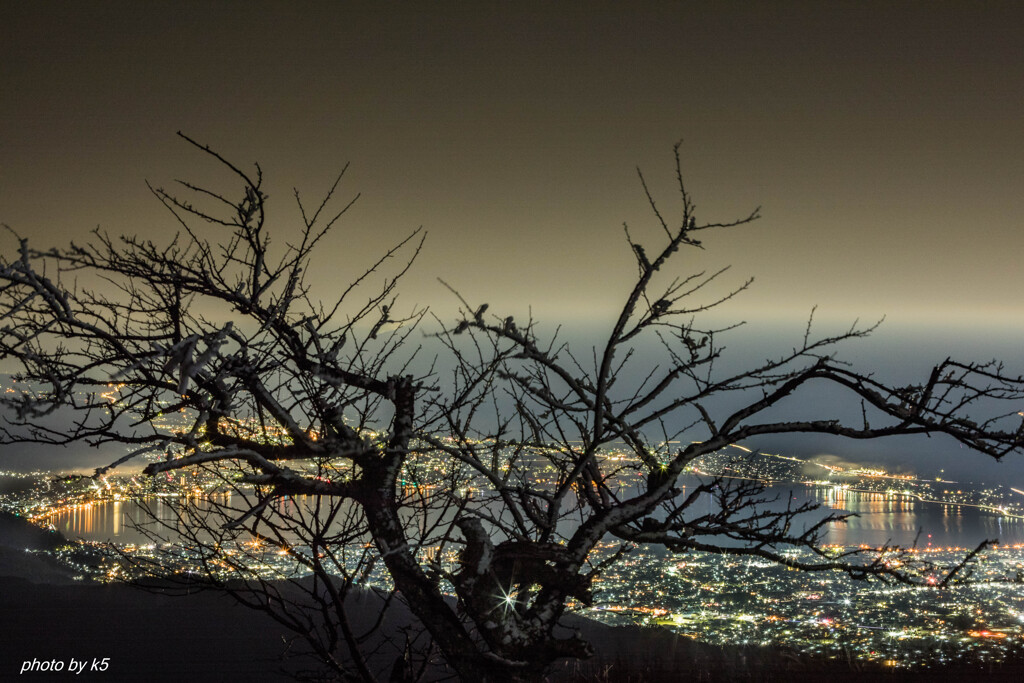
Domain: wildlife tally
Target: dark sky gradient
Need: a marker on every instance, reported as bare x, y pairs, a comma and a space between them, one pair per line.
884, 143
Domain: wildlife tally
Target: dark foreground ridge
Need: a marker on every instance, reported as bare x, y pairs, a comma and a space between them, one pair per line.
48, 616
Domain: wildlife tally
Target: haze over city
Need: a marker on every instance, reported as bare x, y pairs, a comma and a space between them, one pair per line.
881, 140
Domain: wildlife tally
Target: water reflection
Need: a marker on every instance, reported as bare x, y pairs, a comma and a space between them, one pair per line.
881, 518
127, 521
94, 521
116, 521
892, 518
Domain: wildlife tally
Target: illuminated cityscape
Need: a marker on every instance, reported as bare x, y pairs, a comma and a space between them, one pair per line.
708, 597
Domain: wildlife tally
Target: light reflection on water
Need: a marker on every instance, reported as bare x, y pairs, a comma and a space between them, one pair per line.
126, 521
99, 521
115, 521
881, 518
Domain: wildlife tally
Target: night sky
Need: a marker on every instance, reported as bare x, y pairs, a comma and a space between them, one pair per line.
884, 144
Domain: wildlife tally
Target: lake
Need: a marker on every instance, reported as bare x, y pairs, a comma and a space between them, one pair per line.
880, 519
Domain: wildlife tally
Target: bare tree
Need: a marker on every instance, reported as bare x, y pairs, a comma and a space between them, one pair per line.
490, 492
